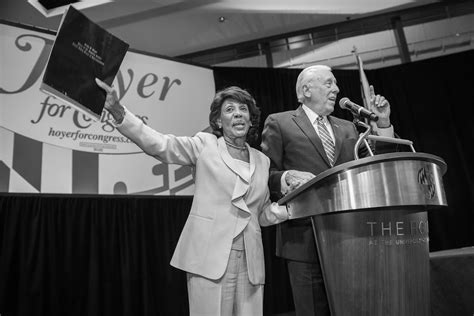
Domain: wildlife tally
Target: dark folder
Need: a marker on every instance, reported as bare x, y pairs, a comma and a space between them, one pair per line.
82, 52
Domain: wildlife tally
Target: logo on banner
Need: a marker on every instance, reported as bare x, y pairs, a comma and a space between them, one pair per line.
151, 87
88, 156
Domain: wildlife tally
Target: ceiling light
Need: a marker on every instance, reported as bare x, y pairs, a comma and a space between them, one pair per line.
222, 19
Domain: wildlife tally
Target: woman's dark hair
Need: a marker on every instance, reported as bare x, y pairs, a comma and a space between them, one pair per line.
239, 95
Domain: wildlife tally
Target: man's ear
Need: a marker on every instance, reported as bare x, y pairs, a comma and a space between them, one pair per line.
306, 91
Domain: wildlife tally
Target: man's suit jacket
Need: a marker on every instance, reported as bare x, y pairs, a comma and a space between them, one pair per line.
226, 202
291, 143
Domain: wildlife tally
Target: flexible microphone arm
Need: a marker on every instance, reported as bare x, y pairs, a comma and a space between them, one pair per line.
363, 137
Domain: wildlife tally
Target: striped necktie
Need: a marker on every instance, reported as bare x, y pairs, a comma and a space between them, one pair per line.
326, 139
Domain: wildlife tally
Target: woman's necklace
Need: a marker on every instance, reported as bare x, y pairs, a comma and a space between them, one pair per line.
235, 146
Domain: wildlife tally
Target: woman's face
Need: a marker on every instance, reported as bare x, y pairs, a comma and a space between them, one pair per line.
235, 119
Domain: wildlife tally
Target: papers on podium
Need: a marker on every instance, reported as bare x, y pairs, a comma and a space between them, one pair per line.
82, 52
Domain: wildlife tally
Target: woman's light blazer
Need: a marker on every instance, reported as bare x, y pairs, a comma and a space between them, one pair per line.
226, 202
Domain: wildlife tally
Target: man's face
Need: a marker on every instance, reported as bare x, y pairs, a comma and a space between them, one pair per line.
321, 90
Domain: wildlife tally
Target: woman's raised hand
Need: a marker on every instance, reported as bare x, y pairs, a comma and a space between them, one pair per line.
112, 103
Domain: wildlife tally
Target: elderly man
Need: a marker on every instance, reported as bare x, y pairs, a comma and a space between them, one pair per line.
300, 145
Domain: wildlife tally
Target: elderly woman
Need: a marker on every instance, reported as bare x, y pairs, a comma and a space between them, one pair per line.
220, 246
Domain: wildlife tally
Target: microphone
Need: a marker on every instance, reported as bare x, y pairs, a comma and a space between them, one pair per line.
347, 104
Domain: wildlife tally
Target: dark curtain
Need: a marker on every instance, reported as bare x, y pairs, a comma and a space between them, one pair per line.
433, 105
65, 255
109, 255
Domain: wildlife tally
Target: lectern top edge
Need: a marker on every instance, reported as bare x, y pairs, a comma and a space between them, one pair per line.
366, 161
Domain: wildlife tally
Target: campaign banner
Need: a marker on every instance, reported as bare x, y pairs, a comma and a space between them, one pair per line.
50, 147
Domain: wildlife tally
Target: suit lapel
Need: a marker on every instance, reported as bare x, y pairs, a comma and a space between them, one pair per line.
229, 161
242, 181
252, 155
302, 120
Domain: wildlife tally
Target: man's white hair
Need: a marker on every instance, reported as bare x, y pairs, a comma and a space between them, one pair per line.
304, 77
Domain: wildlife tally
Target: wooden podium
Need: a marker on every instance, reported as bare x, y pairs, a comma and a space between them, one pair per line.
371, 230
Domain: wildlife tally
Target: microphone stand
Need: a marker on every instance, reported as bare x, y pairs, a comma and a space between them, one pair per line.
363, 137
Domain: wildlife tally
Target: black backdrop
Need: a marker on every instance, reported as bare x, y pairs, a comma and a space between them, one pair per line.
109, 255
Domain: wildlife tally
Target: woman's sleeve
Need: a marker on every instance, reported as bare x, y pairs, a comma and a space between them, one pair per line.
272, 213
182, 150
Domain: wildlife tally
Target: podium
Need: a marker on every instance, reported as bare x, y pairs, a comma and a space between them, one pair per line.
371, 229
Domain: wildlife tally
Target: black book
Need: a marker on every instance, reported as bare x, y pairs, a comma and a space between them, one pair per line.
82, 52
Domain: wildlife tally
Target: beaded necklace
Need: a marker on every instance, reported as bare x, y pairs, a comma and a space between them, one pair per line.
235, 146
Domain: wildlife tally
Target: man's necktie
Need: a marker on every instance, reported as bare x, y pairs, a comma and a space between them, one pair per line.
326, 139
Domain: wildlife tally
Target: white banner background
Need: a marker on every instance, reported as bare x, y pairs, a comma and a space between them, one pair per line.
171, 97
